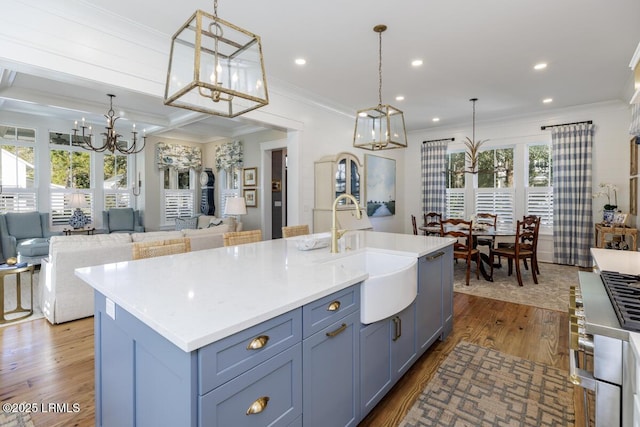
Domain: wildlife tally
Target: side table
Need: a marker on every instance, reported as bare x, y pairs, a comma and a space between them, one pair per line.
19, 308
83, 230
624, 231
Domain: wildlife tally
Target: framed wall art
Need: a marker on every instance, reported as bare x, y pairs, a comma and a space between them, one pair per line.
633, 195
380, 184
250, 177
633, 157
251, 197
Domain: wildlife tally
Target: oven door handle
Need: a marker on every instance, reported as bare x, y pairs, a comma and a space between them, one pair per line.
578, 376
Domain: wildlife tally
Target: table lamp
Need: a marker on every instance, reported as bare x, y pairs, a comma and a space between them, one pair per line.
235, 206
78, 219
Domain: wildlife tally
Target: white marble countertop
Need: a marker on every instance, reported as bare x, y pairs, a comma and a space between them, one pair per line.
627, 262
197, 298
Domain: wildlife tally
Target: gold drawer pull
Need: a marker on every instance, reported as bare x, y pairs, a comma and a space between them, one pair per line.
337, 331
258, 406
334, 306
436, 256
258, 342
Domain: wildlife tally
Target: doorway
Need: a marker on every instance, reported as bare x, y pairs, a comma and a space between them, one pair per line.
278, 192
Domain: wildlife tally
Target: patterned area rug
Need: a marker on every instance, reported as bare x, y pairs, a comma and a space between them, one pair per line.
10, 297
15, 420
476, 386
551, 292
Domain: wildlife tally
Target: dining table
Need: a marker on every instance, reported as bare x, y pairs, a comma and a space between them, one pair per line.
481, 231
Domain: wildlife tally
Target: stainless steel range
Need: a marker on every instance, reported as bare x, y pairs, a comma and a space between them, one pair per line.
602, 312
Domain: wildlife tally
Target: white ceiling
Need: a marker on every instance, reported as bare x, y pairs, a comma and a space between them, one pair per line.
470, 48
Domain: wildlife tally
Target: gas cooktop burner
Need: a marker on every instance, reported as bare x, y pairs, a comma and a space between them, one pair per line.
624, 293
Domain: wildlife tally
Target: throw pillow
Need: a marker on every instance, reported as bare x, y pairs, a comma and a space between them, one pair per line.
215, 222
186, 223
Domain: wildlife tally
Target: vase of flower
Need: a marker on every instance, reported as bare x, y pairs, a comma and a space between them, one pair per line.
608, 213
609, 209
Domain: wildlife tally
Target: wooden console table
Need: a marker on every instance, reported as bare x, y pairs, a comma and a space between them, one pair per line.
624, 231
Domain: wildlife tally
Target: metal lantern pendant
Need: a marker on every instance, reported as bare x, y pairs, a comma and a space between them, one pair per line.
215, 67
380, 127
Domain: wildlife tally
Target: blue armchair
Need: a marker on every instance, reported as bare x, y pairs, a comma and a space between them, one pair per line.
25, 235
121, 220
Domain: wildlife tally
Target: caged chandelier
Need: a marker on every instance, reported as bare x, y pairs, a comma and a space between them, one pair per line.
215, 67
112, 141
381, 127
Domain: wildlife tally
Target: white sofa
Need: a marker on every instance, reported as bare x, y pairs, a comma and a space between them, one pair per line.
65, 297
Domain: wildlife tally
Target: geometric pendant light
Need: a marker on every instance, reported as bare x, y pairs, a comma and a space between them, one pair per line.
215, 67
380, 127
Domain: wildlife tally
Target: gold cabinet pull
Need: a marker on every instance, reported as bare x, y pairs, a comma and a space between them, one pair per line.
258, 342
337, 331
334, 306
258, 406
436, 256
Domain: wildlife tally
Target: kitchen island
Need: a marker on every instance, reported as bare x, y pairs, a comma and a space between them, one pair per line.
181, 339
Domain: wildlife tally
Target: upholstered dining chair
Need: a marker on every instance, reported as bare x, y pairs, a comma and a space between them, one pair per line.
233, 238
295, 230
490, 220
160, 247
522, 249
463, 248
432, 219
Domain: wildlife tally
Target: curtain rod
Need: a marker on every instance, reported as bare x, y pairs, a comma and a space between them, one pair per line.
589, 122
438, 140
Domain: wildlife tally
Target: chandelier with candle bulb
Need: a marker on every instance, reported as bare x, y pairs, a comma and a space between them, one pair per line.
111, 141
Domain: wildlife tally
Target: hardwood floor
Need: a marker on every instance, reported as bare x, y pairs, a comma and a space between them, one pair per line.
54, 364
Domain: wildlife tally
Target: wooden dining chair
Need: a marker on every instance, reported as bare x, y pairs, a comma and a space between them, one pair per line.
160, 247
295, 230
533, 222
522, 249
432, 219
233, 238
463, 248
414, 225
490, 220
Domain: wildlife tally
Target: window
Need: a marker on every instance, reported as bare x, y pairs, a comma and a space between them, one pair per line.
115, 184
495, 190
179, 193
455, 185
70, 172
539, 191
17, 170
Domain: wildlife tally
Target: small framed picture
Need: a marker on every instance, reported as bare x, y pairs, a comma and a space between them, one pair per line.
250, 177
276, 185
251, 197
619, 219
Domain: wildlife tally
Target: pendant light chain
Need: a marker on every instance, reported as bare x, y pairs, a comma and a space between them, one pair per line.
215, 8
380, 68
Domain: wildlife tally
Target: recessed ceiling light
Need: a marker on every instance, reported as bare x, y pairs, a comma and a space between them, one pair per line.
436, 119
399, 98
547, 100
301, 61
416, 62
540, 66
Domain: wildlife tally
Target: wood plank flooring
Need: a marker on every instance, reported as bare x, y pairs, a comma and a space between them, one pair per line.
54, 364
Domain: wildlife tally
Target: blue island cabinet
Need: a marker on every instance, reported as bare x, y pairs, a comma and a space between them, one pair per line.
252, 378
389, 347
331, 357
316, 365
